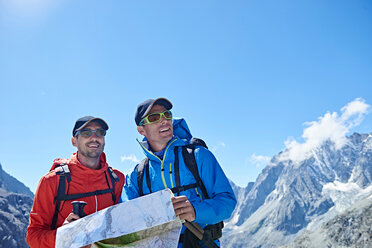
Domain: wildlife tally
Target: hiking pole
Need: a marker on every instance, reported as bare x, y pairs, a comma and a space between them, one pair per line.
203, 236
78, 208
194, 230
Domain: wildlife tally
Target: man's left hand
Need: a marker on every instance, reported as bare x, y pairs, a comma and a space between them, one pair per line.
183, 208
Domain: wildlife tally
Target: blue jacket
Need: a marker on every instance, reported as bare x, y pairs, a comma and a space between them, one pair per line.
208, 211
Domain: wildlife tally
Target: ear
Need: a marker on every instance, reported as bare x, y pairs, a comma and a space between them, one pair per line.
74, 141
141, 130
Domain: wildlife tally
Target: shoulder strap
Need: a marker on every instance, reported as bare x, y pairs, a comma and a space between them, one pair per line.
190, 161
114, 178
64, 174
113, 175
198, 142
140, 174
177, 168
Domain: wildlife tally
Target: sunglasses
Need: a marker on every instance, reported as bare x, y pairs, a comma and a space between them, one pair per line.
88, 132
156, 117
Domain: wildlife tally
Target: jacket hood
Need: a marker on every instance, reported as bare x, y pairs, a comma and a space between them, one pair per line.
181, 130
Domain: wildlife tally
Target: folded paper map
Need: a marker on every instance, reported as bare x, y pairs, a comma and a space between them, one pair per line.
148, 221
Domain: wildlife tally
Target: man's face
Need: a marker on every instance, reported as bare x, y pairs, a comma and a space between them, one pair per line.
159, 133
92, 146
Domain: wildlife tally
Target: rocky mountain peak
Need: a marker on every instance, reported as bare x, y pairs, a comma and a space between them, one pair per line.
291, 196
15, 205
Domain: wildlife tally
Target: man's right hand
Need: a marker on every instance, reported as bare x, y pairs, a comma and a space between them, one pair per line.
183, 208
70, 218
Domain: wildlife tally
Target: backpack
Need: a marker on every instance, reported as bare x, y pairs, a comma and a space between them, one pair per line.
215, 230
65, 175
188, 157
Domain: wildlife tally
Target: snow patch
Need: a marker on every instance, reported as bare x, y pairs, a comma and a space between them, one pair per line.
344, 195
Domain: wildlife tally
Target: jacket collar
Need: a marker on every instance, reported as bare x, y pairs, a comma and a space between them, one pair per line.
175, 141
75, 163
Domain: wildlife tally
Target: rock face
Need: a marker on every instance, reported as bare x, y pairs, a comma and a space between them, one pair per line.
290, 197
15, 205
353, 228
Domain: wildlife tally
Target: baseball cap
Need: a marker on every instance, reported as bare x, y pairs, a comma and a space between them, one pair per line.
84, 121
144, 108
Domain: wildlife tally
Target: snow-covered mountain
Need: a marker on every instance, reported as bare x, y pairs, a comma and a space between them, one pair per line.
15, 205
290, 197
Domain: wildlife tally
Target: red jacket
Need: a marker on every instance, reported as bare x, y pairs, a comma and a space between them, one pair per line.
83, 179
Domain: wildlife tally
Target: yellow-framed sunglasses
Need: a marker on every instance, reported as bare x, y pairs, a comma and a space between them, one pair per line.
155, 117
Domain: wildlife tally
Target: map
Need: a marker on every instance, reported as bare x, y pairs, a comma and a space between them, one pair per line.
147, 221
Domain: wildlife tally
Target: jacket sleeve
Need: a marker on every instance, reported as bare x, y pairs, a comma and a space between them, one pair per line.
131, 189
222, 199
39, 232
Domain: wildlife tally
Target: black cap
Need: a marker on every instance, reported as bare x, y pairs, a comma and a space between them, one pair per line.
144, 108
84, 121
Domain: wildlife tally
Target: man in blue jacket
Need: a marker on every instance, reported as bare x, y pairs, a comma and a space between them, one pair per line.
162, 145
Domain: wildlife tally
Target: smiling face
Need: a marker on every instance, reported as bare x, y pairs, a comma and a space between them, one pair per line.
159, 133
89, 147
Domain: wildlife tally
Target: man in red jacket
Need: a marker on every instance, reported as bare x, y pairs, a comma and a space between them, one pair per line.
87, 178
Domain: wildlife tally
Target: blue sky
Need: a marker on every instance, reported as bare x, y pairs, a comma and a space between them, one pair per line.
246, 75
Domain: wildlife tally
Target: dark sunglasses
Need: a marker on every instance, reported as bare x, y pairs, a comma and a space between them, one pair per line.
88, 132
156, 117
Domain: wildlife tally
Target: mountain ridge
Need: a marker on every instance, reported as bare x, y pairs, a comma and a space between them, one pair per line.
15, 204
289, 195
11, 184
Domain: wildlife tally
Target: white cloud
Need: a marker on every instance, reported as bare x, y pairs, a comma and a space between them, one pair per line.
221, 144
260, 160
331, 126
131, 158
132, 161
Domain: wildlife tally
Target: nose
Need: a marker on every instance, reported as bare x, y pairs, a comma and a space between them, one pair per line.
94, 136
163, 120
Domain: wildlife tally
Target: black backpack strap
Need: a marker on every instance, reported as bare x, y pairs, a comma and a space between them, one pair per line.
111, 190
211, 232
140, 174
113, 175
148, 181
82, 195
65, 171
64, 174
189, 159
176, 170
198, 142
114, 178
177, 190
